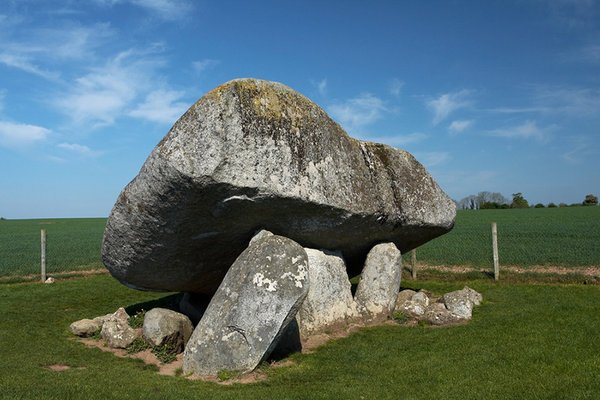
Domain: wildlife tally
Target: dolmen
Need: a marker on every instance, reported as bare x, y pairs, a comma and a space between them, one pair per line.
259, 202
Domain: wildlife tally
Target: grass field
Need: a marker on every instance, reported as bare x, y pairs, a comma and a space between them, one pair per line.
566, 237
524, 341
72, 244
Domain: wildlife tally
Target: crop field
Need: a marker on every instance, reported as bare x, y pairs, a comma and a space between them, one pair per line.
72, 244
566, 237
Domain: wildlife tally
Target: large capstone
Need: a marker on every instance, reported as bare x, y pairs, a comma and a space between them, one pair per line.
252, 154
258, 298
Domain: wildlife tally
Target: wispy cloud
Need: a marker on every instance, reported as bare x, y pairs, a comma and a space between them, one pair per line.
400, 140
432, 158
25, 63
203, 65
527, 130
79, 149
396, 86
165, 9
161, 106
459, 125
322, 87
105, 93
16, 135
447, 103
356, 113
576, 102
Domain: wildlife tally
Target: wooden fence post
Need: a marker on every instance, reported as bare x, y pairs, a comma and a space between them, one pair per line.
495, 249
43, 255
413, 263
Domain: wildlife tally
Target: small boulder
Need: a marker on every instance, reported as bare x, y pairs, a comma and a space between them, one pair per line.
329, 300
461, 302
437, 314
257, 299
379, 284
119, 315
402, 298
85, 327
118, 334
416, 306
167, 327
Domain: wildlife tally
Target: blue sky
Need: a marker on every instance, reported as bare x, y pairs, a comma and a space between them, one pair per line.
500, 96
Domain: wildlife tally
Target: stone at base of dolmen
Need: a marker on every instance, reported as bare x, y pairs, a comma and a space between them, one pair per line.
258, 297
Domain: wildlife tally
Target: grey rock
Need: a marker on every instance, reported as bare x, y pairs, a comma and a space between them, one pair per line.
420, 298
119, 315
329, 301
257, 299
49, 280
379, 283
85, 327
413, 309
437, 314
260, 234
167, 327
252, 154
118, 334
461, 302
403, 297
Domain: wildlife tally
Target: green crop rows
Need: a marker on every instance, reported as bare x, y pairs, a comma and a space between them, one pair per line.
565, 237
71, 244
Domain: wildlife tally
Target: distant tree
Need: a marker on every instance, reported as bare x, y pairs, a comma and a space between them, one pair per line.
575, 205
539, 205
519, 201
468, 203
562, 205
590, 200
551, 205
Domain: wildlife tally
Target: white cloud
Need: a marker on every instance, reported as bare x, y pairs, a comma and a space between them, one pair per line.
396, 86
82, 150
201, 66
432, 158
322, 86
401, 140
459, 125
24, 63
107, 91
20, 135
165, 9
358, 112
447, 103
527, 130
161, 106
570, 101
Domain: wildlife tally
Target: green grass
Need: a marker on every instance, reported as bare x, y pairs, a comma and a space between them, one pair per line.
525, 341
566, 237
72, 244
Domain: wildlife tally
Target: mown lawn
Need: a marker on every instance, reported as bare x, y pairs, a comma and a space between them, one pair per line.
525, 341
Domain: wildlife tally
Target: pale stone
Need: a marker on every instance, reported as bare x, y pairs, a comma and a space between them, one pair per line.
329, 301
402, 298
253, 154
118, 334
461, 302
167, 327
379, 283
257, 299
85, 327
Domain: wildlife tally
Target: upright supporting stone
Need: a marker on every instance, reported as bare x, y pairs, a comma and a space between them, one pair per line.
258, 297
329, 301
380, 282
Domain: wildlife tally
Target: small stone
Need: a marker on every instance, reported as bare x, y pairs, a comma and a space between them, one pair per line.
437, 314
85, 327
461, 302
167, 327
403, 297
49, 280
420, 298
118, 334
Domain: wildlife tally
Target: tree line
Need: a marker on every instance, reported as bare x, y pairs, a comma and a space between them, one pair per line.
493, 200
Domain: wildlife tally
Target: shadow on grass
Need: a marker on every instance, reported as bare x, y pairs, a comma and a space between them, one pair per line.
170, 302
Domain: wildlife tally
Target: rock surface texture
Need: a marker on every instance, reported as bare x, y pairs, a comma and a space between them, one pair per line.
329, 300
85, 327
167, 327
252, 154
259, 296
377, 290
